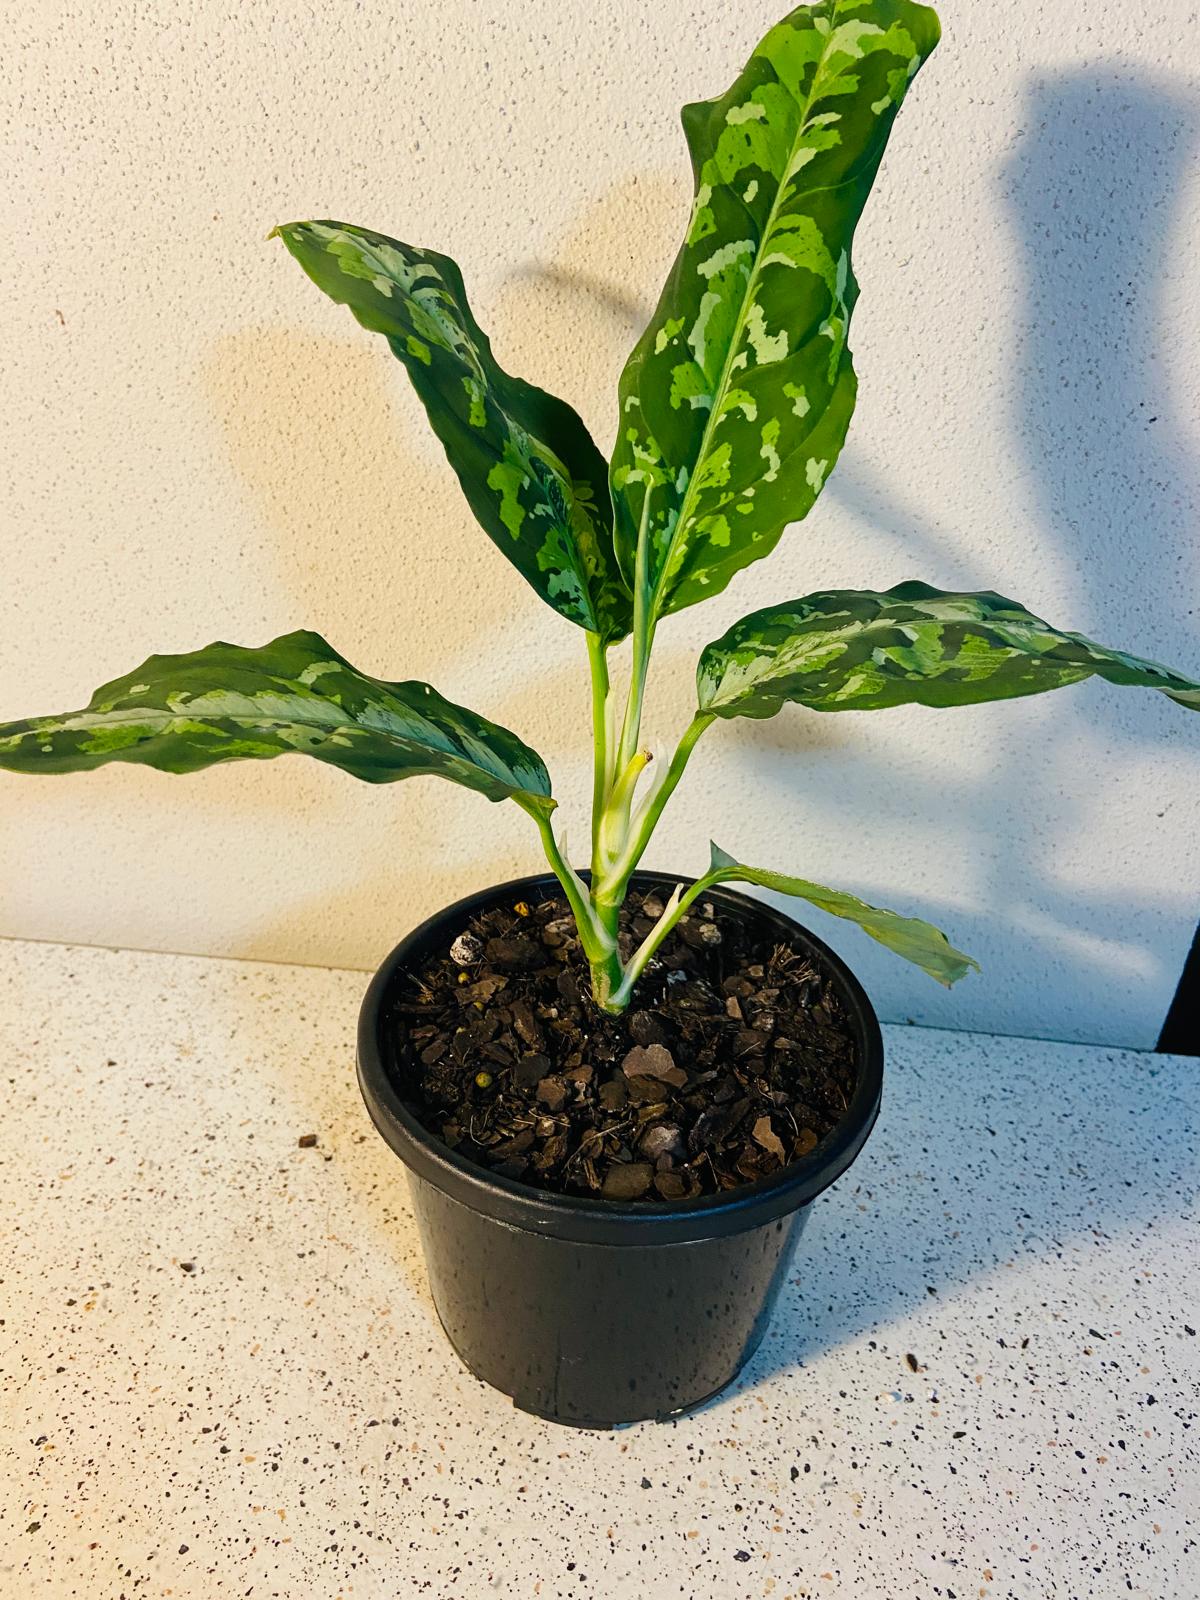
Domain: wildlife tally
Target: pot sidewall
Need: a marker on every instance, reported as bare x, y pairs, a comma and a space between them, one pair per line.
595, 1312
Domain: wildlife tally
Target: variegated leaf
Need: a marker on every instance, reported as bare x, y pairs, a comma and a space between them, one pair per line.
736, 400
296, 695
526, 463
858, 650
917, 941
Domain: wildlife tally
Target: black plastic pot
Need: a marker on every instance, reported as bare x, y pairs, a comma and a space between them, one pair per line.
598, 1312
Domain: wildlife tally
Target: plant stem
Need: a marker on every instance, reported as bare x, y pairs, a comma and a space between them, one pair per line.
643, 641
598, 941
602, 755
639, 836
676, 909
610, 830
618, 844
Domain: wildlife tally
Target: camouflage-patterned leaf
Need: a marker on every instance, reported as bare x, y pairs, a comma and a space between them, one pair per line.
293, 696
858, 650
526, 463
919, 942
736, 400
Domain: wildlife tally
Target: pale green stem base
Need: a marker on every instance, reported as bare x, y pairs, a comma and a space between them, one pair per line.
619, 845
641, 829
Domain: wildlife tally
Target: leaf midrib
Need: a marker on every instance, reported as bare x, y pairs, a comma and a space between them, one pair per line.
739, 329
159, 720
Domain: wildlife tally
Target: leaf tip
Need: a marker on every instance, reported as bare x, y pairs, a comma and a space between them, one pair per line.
282, 229
719, 859
962, 967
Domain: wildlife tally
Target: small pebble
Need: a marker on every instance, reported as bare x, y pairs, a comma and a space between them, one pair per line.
627, 1180
645, 1028
466, 950
670, 1185
662, 1139
653, 1061
613, 1094
552, 1092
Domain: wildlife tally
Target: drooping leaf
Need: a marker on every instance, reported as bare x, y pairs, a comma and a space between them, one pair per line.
295, 695
737, 398
526, 463
858, 650
917, 941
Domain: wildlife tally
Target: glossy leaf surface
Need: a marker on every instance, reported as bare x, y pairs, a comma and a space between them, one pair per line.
859, 650
293, 696
736, 400
526, 463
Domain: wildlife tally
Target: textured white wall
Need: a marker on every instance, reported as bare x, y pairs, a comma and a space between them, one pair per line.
195, 444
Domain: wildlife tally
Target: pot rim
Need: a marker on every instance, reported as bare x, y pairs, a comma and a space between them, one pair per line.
614, 1222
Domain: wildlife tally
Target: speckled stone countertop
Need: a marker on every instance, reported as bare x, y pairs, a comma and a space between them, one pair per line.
222, 1374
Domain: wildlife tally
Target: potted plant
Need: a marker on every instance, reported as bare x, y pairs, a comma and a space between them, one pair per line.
617, 1093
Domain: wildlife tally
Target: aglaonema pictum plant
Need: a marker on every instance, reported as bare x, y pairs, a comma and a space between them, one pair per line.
733, 407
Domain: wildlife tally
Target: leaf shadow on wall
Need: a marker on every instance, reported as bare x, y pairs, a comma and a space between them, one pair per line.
1089, 190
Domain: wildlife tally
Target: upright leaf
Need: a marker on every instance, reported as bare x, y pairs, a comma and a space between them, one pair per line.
917, 941
293, 696
526, 463
858, 650
736, 400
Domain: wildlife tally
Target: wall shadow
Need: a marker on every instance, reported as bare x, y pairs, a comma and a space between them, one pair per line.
371, 544
628, 236
1092, 189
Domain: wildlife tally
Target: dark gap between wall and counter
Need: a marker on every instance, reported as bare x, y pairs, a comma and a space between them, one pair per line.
1180, 1034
